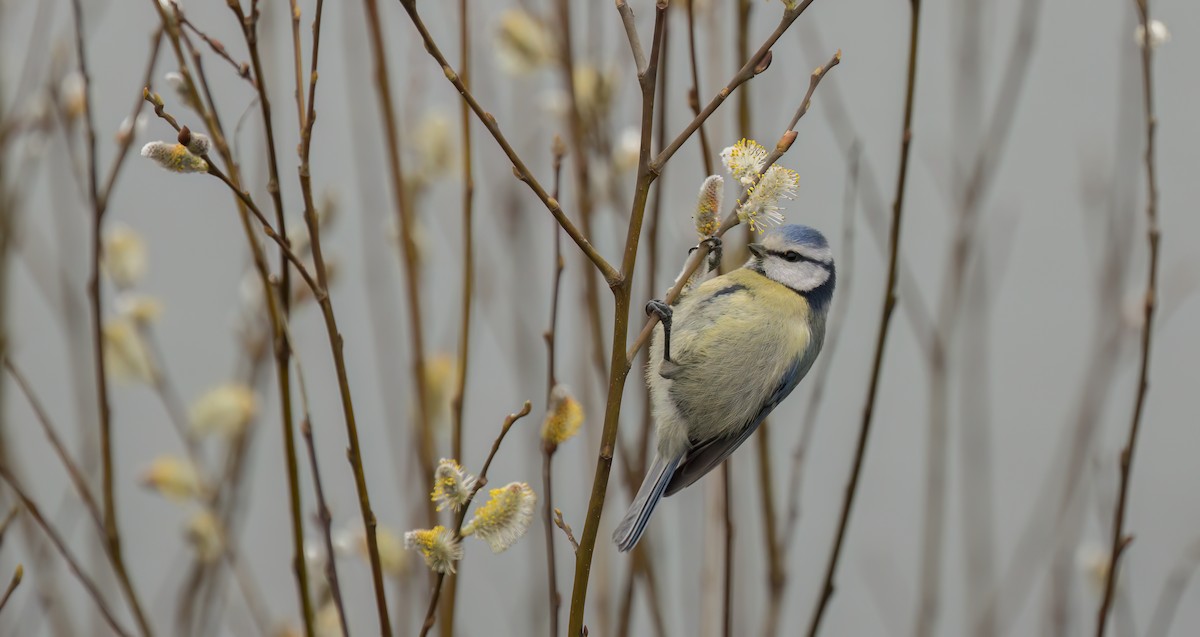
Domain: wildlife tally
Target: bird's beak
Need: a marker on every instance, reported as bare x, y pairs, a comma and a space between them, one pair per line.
757, 250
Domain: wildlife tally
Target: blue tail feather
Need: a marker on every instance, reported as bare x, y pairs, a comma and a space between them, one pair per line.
631, 527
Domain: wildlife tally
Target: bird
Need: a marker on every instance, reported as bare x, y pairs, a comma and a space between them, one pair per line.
722, 358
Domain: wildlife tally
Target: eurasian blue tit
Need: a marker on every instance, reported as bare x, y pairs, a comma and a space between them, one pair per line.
734, 347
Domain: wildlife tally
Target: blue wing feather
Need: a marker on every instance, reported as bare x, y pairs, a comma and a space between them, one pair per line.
705, 456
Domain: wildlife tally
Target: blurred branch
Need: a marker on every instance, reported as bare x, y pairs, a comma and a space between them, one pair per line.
323, 514
468, 284
99, 203
548, 448
1172, 591
72, 563
610, 274
1119, 540
18, 574
889, 304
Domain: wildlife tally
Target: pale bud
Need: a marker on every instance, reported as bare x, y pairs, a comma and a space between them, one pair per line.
224, 410
563, 417
172, 477
174, 157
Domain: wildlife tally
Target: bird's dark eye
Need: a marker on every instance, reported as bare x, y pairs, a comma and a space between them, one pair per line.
791, 256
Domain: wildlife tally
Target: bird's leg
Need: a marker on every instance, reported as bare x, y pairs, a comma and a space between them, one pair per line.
715, 251
663, 311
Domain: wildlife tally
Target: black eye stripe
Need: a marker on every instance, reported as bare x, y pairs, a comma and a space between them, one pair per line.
783, 255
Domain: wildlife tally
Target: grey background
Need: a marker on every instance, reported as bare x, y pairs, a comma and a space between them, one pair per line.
1073, 155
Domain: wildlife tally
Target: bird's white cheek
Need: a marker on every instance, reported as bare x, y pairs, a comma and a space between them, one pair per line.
802, 277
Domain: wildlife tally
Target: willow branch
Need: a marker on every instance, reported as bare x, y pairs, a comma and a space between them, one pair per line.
88, 584
889, 304
17, 576
611, 276
458, 398
548, 448
706, 157
480, 483
619, 365
324, 516
1119, 540
752, 67
112, 536
74, 471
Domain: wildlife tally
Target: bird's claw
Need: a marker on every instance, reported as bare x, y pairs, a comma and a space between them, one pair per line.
715, 251
663, 311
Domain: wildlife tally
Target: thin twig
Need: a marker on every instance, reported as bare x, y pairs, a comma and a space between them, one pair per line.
74, 471
489, 121
241, 68
72, 563
584, 200
706, 158
619, 362
1172, 591
408, 248
458, 399
889, 304
18, 575
112, 536
1119, 539
549, 448
126, 142
631, 34
752, 67
566, 528
480, 482
324, 516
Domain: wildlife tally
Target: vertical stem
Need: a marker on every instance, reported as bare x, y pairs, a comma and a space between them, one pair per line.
1119, 540
98, 200
694, 94
468, 274
889, 304
548, 449
619, 362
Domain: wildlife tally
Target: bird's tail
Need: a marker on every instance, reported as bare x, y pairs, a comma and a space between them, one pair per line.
653, 485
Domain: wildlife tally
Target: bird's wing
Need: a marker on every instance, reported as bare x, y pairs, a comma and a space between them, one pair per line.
705, 456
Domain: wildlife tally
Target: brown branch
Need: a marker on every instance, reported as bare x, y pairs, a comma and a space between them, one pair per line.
1119, 540
1172, 591
88, 584
631, 34
480, 482
752, 67
566, 529
112, 536
324, 516
74, 471
18, 575
889, 304
549, 448
468, 278
127, 143
706, 156
489, 121
619, 365
241, 68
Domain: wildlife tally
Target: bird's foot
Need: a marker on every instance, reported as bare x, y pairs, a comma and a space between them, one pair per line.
663, 311
715, 251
